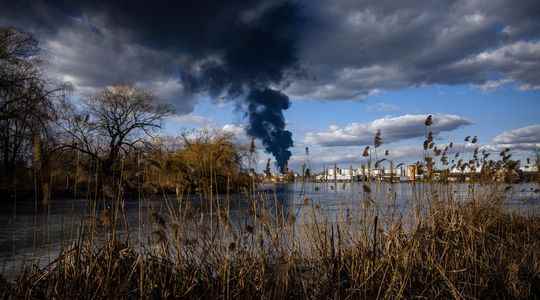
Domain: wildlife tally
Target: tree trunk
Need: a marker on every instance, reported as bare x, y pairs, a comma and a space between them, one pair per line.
41, 169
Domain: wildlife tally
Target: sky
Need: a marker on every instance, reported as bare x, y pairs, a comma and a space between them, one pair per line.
322, 74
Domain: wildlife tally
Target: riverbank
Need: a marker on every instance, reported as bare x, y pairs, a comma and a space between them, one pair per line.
442, 248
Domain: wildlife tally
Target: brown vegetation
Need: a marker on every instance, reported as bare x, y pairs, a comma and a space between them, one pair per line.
198, 162
451, 250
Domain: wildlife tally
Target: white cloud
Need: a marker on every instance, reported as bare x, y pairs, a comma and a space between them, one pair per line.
524, 138
529, 87
239, 134
493, 84
392, 129
236, 130
190, 119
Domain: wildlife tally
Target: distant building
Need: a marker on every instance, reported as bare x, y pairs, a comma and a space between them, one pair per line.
529, 168
337, 174
466, 170
412, 172
348, 174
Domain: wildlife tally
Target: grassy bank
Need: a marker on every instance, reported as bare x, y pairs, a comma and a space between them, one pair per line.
442, 248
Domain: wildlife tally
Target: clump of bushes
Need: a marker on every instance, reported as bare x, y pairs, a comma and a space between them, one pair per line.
201, 162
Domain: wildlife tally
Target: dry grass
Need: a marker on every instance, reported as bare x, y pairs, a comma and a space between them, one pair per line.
447, 249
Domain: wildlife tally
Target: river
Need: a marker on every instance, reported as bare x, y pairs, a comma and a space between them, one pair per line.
30, 234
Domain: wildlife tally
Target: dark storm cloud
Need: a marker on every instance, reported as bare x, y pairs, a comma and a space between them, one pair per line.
360, 47
349, 49
230, 49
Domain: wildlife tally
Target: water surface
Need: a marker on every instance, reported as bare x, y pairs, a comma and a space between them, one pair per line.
29, 233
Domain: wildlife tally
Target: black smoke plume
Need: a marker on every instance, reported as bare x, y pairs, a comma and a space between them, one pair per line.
266, 122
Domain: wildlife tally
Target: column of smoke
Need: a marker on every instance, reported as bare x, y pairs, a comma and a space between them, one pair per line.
244, 72
266, 122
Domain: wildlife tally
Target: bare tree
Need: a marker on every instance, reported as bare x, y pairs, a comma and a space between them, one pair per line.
26, 103
112, 122
19, 70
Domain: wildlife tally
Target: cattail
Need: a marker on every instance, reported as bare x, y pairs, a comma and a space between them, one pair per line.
377, 141
444, 160
366, 152
429, 121
419, 168
430, 136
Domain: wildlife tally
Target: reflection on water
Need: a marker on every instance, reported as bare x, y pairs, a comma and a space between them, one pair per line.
29, 233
